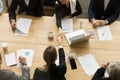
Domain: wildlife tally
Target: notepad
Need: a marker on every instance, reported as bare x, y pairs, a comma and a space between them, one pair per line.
67, 25
76, 36
10, 59
104, 33
28, 54
88, 64
23, 26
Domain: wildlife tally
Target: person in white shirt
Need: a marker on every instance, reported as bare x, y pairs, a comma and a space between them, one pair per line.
1, 7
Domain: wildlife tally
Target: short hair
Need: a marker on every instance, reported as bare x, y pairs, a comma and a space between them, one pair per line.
50, 55
113, 70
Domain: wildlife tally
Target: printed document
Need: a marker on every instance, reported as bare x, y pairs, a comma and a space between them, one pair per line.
104, 33
67, 25
28, 54
10, 59
88, 64
23, 26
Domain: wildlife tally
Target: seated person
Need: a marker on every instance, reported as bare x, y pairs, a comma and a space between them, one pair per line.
29, 7
66, 8
50, 71
7, 74
113, 70
1, 7
102, 12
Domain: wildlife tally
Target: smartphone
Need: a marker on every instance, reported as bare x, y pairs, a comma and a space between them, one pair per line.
73, 63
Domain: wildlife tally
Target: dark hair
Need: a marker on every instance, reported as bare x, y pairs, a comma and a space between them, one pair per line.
50, 55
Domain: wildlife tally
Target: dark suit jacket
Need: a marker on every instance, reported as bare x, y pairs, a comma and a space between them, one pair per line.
54, 72
9, 75
99, 75
62, 11
35, 8
96, 10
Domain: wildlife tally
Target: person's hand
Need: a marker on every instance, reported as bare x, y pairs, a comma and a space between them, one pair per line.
13, 25
105, 65
59, 38
60, 32
22, 60
102, 22
95, 23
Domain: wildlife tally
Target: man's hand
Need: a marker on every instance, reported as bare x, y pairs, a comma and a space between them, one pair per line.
13, 25
22, 60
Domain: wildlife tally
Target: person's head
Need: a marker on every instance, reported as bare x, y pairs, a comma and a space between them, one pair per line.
113, 70
50, 55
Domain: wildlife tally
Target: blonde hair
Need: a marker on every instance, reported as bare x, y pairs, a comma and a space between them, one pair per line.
113, 70
50, 55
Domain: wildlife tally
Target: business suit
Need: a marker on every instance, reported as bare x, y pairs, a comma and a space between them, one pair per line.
54, 72
34, 8
62, 11
111, 13
99, 75
9, 75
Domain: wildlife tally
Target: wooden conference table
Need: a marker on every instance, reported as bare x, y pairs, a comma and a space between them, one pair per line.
37, 40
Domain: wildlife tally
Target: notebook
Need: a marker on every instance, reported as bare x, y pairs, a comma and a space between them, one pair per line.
76, 36
23, 26
10, 59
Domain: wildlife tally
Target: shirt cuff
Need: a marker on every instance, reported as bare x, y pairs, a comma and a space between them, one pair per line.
106, 21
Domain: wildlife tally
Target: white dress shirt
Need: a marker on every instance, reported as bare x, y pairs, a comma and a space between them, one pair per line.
27, 2
1, 6
106, 2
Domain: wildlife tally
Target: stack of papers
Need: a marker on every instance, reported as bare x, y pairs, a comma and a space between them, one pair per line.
23, 26
10, 59
67, 25
88, 64
76, 36
104, 33
28, 54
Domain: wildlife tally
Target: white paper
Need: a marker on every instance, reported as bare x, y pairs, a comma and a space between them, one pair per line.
28, 54
10, 59
23, 26
88, 64
67, 25
104, 33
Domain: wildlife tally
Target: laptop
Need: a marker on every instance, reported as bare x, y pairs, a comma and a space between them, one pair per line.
77, 36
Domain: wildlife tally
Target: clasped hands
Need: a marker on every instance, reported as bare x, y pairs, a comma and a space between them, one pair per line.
97, 23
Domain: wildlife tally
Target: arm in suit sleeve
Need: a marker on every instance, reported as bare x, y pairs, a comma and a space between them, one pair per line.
99, 74
13, 7
25, 73
91, 12
58, 14
40, 8
114, 16
62, 64
78, 8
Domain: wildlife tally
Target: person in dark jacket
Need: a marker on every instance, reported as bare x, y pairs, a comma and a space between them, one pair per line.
66, 9
7, 74
113, 70
51, 71
29, 7
102, 12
